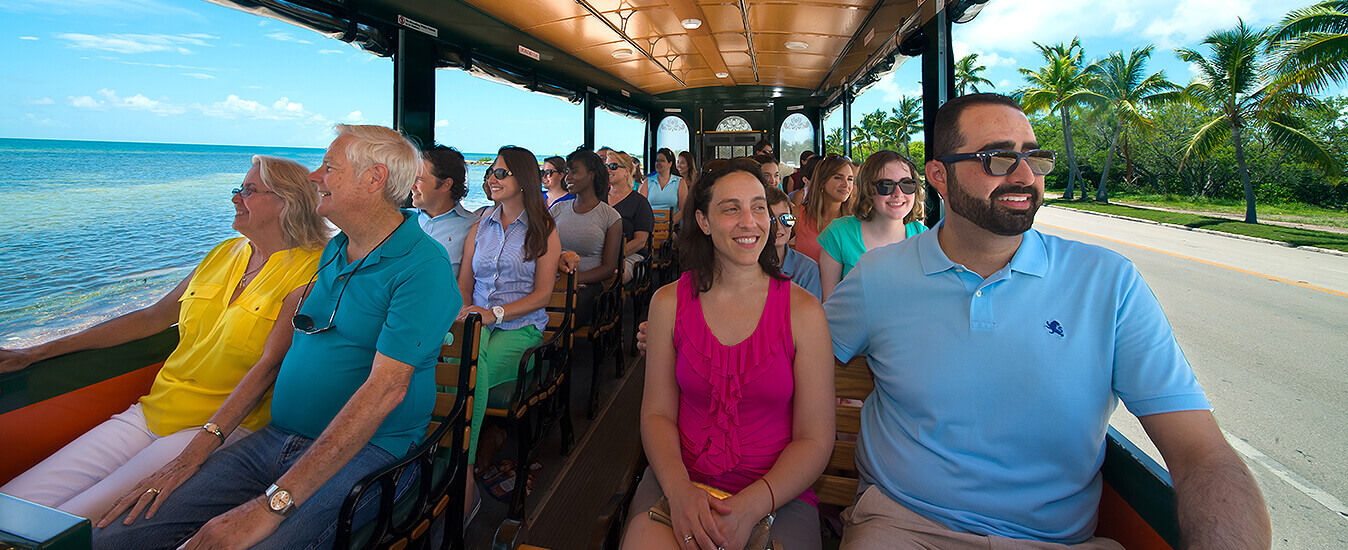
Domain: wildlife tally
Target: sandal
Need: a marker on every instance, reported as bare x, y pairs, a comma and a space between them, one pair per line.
500, 480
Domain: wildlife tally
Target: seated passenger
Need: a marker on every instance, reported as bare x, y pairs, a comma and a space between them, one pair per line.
589, 227
889, 207
795, 180
554, 181
799, 267
664, 189
799, 194
995, 381
436, 194
828, 198
225, 310
755, 418
687, 170
354, 392
771, 169
514, 250
638, 219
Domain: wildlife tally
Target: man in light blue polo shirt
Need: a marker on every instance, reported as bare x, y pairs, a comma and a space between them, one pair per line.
436, 195
356, 387
998, 355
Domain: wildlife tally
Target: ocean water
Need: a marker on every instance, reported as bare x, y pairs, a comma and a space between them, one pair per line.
90, 230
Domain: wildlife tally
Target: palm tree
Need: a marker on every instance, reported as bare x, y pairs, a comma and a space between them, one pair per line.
1229, 82
966, 74
833, 142
1312, 46
1060, 85
1124, 95
906, 119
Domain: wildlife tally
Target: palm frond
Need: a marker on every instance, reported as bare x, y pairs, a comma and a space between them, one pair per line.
1288, 133
1207, 138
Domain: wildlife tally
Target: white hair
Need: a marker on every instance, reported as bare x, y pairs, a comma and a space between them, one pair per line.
374, 145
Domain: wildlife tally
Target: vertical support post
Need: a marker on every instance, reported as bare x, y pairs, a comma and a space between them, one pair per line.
938, 87
847, 122
589, 120
414, 86
648, 145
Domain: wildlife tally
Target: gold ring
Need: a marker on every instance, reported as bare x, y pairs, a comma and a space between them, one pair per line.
152, 490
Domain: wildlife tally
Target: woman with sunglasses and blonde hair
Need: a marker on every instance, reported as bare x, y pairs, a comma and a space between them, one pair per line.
233, 315
888, 208
828, 198
638, 218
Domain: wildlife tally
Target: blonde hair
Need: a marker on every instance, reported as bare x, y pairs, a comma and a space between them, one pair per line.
301, 226
626, 160
863, 206
374, 145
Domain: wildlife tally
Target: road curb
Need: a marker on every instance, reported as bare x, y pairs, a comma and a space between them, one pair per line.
1208, 231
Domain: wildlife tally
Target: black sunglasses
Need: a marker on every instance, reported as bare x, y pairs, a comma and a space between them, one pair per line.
1000, 162
613, 166
887, 187
787, 220
546, 172
500, 173
305, 323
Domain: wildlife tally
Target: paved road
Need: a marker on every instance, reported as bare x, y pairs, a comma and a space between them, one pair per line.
1266, 329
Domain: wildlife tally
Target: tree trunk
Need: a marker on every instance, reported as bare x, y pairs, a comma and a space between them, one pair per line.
1128, 174
1244, 175
1101, 193
1074, 171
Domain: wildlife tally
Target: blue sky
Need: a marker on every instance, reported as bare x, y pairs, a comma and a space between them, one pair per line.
194, 72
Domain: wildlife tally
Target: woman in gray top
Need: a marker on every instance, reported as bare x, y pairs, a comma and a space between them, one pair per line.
589, 227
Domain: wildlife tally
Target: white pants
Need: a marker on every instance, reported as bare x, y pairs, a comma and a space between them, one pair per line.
89, 474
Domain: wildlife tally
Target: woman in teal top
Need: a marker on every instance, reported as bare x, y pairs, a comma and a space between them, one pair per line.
887, 209
664, 189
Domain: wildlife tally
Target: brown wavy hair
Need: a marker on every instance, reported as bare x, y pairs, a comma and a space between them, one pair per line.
524, 166
815, 197
697, 253
863, 206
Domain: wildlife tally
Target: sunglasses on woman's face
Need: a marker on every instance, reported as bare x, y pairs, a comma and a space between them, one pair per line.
613, 166
500, 173
887, 187
787, 220
547, 172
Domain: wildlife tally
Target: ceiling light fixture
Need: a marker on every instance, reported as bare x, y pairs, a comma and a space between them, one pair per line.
793, 45
622, 53
722, 75
691, 23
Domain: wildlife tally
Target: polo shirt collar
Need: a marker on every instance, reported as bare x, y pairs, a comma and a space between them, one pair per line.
398, 244
458, 210
1031, 257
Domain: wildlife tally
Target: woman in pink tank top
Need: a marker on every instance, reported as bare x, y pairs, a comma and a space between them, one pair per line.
739, 381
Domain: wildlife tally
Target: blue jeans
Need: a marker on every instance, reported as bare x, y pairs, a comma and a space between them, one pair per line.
243, 471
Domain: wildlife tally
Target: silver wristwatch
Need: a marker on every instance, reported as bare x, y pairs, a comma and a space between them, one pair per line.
500, 314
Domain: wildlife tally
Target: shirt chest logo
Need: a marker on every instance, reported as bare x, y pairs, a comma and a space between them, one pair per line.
1054, 327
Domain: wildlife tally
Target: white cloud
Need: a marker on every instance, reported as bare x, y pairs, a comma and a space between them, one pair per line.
236, 107
355, 116
28, 38
39, 101
85, 102
133, 43
285, 37
441, 123
200, 76
202, 36
330, 52
43, 122
139, 102
894, 91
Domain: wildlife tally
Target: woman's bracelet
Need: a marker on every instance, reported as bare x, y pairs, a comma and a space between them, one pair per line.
214, 430
771, 494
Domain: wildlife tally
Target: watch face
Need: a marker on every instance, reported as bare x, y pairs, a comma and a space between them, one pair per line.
279, 500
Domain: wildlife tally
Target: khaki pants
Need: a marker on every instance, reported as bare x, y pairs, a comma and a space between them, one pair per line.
876, 521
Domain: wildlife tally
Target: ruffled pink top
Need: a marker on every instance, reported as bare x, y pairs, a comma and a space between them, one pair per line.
734, 401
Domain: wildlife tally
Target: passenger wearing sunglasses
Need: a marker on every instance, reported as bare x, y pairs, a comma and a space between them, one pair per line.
435, 196
354, 391
638, 218
999, 354
226, 311
828, 198
800, 268
514, 253
554, 182
888, 208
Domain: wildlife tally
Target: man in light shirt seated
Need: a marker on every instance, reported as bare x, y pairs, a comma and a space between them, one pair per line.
999, 354
436, 194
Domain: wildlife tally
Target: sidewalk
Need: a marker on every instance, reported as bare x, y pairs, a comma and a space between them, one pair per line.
1294, 225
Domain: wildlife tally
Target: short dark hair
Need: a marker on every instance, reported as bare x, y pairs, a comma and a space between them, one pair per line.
697, 253
596, 166
764, 158
776, 196
806, 155
447, 163
669, 156
558, 162
946, 126
765, 142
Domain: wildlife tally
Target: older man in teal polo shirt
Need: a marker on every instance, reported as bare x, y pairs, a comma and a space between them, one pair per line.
356, 388
999, 354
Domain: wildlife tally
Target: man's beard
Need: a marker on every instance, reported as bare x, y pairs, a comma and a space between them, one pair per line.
986, 214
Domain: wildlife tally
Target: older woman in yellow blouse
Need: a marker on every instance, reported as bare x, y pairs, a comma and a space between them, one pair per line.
229, 339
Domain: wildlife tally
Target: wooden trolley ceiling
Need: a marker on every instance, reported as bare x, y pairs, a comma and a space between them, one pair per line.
647, 44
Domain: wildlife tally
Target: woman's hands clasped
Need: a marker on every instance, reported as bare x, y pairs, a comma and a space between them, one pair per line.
696, 516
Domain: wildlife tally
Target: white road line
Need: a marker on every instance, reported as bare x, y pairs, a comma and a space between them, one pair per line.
1286, 474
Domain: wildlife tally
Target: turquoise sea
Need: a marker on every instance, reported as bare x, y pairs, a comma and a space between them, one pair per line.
92, 229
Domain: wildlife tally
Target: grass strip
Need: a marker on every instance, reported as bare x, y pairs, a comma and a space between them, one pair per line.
1290, 235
